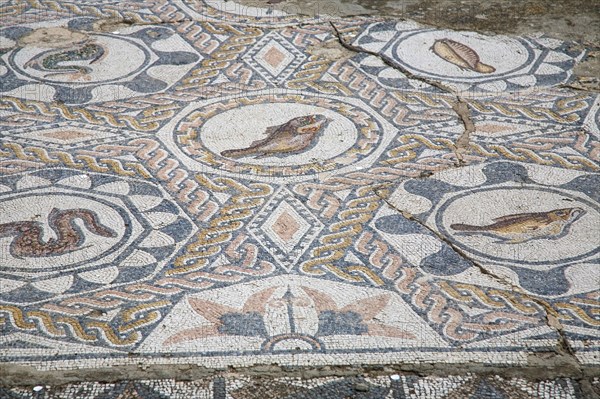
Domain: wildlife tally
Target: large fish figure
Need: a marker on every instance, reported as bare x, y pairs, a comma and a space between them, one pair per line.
518, 228
292, 137
460, 55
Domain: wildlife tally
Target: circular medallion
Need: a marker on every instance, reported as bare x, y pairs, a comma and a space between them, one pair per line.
531, 226
274, 136
64, 232
335, 133
534, 225
96, 59
49, 232
461, 55
71, 61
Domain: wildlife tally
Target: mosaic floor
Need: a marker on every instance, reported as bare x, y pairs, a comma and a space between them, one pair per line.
197, 182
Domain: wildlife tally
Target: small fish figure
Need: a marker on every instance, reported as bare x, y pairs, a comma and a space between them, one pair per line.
53, 61
292, 137
460, 55
522, 227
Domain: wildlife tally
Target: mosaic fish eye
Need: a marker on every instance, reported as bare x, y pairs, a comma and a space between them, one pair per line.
577, 212
321, 118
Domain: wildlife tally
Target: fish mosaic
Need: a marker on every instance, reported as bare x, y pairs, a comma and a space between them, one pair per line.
28, 241
522, 227
293, 137
460, 55
59, 62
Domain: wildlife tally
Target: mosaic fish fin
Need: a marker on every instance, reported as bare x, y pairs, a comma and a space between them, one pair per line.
508, 218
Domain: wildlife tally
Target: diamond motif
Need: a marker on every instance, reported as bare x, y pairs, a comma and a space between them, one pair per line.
285, 228
274, 57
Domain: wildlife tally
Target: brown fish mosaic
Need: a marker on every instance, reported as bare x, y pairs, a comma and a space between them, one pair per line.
292, 137
522, 227
460, 55
28, 241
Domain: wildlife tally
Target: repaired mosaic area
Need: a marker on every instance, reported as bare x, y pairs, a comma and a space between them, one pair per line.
381, 387
231, 188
